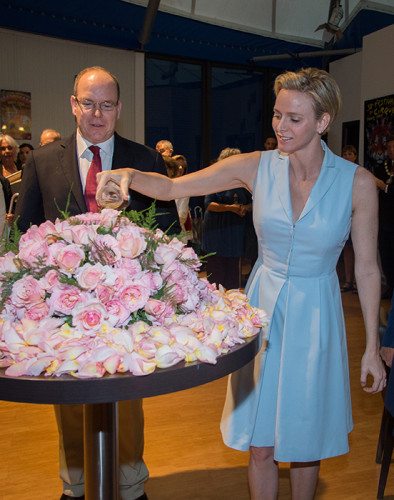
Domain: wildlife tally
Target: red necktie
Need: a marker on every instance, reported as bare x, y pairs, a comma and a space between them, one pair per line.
91, 182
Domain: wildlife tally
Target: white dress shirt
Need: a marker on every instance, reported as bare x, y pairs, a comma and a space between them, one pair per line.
85, 156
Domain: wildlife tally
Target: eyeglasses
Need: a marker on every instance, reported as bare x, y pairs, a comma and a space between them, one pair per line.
3, 148
102, 106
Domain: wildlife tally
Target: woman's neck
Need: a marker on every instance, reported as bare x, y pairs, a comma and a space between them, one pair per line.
9, 168
306, 164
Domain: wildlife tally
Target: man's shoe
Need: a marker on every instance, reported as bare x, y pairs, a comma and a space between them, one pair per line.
67, 497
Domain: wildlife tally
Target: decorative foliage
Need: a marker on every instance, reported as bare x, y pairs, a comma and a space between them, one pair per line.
97, 294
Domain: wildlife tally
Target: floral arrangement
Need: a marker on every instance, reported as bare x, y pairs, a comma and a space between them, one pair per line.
97, 293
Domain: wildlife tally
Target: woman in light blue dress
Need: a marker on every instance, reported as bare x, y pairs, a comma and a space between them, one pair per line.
292, 403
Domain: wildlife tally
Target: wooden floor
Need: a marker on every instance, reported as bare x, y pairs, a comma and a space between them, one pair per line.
184, 451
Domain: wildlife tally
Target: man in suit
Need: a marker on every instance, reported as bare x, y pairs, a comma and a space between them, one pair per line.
384, 175
387, 353
61, 170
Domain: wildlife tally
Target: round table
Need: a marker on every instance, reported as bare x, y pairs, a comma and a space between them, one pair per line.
100, 397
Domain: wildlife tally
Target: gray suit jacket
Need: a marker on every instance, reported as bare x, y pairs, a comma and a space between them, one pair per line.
52, 174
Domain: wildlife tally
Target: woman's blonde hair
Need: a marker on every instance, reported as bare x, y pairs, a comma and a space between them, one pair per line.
226, 152
318, 84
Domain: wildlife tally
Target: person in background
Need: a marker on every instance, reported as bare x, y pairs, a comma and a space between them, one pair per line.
387, 353
270, 143
223, 231
384, 177
66, 169
8, 154
49, 135
165, 148
292, 402
11, 174
24, 150
176, 167
349, 153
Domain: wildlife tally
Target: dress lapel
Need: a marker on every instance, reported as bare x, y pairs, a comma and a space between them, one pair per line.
327, 175
281, 174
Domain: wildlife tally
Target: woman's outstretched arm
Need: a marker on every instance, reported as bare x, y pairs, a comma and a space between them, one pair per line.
235, 171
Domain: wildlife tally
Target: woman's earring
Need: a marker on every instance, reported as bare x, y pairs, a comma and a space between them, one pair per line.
320, 132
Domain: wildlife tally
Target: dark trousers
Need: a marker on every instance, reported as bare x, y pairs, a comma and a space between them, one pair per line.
386, 250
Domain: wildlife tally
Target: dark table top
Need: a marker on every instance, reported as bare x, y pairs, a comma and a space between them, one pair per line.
67, 389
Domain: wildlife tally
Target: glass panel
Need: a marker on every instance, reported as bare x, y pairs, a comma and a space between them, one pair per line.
237, 110
173, 107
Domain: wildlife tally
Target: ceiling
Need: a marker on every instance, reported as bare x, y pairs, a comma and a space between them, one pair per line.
276, 33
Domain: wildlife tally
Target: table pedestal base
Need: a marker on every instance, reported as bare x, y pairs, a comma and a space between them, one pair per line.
101, 451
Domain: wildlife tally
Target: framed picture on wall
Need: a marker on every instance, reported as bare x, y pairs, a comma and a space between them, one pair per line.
16, 114
378, 125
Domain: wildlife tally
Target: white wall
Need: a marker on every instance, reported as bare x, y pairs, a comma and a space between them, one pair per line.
46, 68
363, 76
351, 95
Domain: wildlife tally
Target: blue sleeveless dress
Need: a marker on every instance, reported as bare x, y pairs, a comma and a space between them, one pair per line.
295, 395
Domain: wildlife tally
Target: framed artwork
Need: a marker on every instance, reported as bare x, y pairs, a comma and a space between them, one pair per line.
16, 114
378, 125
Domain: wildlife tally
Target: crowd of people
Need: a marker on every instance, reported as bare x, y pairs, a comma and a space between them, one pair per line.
292, 402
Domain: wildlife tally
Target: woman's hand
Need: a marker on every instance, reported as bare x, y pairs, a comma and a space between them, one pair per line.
121, 177
371, 364
238, 209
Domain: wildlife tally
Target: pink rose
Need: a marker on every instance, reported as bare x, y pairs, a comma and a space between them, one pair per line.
46, 231
176, 243
134, 296
117, 310
50, 280
89, 316
165, 254
89, 276
67, 257
37, 312
153, 281
26, 292
88, 218
178, 292
83, 235
104, 293
120, 279
109, 217
176, 270
131, 240
30, 251
131, 266
7, 263
159, 310
64, 299
105, 249
189, 255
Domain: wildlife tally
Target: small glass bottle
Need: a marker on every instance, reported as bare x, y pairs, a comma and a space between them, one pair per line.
110, 196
